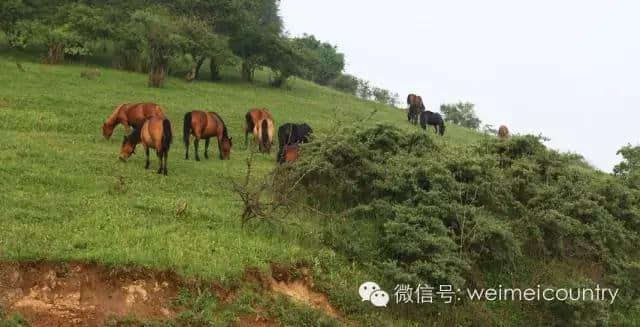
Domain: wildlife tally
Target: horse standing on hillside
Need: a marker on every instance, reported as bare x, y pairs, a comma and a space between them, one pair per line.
154, 133
503, 132
292, 134
434, 119
205, 125
260, 122
130, 114
416, 106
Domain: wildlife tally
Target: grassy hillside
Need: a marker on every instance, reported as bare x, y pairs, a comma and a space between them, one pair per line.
67, 196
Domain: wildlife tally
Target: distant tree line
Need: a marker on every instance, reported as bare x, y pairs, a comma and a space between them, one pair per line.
157, 37
362, 88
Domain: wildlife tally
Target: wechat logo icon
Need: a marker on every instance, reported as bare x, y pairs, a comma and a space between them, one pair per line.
371, 291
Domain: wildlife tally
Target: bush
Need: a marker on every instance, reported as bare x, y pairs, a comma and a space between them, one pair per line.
422, 213
345, 83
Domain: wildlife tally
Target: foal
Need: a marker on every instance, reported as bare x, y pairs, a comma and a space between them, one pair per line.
154, 133
205, 125
292, 134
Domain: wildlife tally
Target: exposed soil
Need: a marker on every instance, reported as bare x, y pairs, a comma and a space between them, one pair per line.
300, 289
79, 294
84, 294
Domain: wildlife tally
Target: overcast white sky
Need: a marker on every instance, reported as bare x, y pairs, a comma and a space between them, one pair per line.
567, 69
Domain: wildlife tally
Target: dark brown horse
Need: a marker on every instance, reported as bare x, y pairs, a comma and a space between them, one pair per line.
416, 106
260, 122
205, 125
130, 114
154, 133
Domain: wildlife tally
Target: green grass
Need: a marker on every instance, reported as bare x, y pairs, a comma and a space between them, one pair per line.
67, 197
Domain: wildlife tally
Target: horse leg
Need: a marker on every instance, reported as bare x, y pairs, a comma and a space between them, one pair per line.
159, 158
166, 156
195, 147
186, 153
206, 148
146, 151
220, 147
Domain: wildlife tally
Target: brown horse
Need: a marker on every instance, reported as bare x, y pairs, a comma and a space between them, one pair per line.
291, 152
260, 122
416, 106
130, 114
205, 125
154, 133
503, 132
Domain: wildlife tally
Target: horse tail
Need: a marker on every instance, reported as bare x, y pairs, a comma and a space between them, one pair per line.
167, 135
187, 128
264, 138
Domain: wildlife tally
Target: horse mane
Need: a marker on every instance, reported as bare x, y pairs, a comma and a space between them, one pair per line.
225, 133
111, 119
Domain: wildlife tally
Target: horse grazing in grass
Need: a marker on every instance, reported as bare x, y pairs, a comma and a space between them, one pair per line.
260, 122
154, 133
434, 119
416, 106
130, 114
503, 132
205, 125
290, 134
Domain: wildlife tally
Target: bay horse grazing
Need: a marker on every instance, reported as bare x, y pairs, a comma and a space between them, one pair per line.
260, 122
130, 114
290, 134
503, 132
154, 133
416, 106
434, 119
205, 125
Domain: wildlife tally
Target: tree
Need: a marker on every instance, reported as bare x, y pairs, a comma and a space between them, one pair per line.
394, 100
364, 89
62, 28
201, 42
629, 168
324, 63
461, 113
345, 83
257, 25
381, 95
284, 59
160, 36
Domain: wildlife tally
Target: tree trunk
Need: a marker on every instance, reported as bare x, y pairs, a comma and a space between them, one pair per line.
247, 72
157, 75
215, 70
55, 54
198, 66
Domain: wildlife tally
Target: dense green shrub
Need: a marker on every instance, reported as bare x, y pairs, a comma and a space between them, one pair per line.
422, 212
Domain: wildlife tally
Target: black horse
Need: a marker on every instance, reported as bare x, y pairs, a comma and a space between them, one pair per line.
434, 119
289, 134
